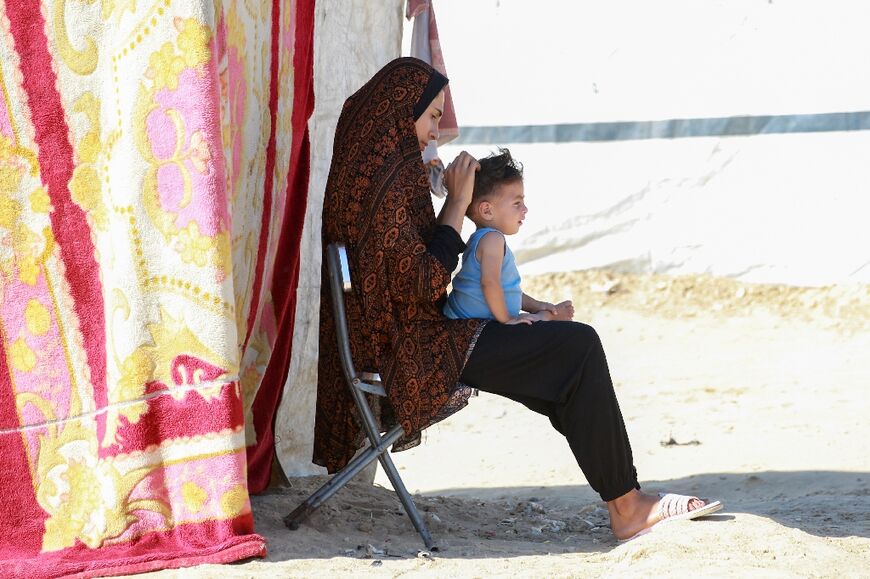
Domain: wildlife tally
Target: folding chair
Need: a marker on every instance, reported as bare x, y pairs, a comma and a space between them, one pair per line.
360, 383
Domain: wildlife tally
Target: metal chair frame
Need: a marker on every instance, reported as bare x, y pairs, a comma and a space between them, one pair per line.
360, 383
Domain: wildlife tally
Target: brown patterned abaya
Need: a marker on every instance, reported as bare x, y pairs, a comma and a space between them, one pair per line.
377, 203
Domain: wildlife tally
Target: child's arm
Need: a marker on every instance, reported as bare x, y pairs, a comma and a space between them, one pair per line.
547, 311
534, 306
490, 254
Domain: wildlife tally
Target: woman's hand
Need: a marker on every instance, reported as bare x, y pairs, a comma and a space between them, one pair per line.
459, 179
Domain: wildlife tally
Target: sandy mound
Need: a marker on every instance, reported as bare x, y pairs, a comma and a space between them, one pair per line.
845, 306
755, 395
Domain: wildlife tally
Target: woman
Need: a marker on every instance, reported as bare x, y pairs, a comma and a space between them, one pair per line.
377, 203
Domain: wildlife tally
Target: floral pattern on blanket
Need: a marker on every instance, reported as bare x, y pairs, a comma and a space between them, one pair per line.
136, 325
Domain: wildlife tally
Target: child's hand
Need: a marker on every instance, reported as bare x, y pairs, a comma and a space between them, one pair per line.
525, 319
563, 311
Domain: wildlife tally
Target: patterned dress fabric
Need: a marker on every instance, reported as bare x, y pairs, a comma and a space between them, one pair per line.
377, 203
153, 162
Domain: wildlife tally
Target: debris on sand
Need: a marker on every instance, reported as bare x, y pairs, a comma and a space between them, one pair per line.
672, 442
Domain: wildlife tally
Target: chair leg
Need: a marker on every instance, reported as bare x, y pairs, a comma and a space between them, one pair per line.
341, 478
332, 486
407, 501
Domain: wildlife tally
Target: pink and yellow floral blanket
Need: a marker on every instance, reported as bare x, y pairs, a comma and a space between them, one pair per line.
153, 172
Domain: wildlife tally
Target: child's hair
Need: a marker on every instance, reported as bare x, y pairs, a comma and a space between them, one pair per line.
496, 169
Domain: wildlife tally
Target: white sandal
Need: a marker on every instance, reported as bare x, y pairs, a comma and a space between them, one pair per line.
673, 507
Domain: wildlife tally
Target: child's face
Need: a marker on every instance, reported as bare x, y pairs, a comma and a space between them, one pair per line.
507, 209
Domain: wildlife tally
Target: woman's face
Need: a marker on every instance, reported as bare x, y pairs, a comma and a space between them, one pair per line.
427, 124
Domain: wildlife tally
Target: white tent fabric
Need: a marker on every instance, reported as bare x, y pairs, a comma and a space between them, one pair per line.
760, 111
352, 40
788, 208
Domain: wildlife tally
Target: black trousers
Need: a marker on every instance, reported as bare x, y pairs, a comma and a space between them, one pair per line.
558, 369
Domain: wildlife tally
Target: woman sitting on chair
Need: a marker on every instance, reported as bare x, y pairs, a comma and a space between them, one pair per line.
401, 257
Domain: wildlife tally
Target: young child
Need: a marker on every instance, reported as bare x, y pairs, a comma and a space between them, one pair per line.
488, 283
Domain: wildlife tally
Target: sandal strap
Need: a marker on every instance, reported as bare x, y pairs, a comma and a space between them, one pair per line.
672, 505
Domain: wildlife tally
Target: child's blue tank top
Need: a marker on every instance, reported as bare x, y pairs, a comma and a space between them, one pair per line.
466, 300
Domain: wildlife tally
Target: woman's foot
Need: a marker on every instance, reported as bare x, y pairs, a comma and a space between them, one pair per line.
634, 512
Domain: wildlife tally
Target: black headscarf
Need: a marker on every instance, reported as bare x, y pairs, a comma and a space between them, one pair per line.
436, 82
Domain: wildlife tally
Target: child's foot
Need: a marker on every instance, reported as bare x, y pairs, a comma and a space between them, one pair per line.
564, 311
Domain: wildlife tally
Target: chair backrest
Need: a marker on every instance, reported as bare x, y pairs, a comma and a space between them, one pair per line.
339, 284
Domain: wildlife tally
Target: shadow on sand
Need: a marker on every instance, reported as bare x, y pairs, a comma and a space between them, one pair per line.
363, 521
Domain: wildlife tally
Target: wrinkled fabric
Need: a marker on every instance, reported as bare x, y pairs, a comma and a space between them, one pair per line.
559, 369
153, 165
426, 45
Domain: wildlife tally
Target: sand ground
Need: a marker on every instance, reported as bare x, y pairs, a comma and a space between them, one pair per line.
754, 395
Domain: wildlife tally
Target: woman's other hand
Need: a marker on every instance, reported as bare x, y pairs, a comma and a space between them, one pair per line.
459, 179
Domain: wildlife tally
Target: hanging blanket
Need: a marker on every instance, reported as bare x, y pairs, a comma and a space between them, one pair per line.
153, 168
